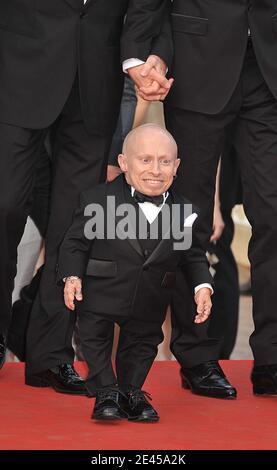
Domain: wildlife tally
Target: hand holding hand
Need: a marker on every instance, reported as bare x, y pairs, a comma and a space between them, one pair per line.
151, 83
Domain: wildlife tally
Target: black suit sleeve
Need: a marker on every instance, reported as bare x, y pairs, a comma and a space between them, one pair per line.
146, 22
162, 45
75, 248
194, 263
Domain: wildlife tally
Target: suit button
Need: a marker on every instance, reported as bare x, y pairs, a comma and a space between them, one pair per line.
145, 268
249, 6
82, 14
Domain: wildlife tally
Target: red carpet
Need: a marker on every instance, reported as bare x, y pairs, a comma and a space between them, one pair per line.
33, 418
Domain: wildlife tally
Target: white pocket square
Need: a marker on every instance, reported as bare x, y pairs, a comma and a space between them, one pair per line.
190, 220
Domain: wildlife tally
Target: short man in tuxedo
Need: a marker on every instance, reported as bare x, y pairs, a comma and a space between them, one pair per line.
128, 278
60, 58
225, 73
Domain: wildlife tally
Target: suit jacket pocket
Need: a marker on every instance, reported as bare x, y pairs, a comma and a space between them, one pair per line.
189, 24
169, 280
274, 23
101, 268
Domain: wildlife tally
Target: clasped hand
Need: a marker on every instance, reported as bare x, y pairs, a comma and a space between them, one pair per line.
150, 80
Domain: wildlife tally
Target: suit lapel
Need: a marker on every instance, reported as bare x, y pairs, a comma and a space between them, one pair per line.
79, 4
117, 189
88, 3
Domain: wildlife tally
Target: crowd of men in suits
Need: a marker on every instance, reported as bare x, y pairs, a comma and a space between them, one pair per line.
64, 58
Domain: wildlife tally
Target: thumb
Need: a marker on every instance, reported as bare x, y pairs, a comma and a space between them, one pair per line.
78, 293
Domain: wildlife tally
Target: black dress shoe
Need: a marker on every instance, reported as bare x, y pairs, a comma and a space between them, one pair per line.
107, 404
207, 379
264, 380
138, 407
2, 350
63, 379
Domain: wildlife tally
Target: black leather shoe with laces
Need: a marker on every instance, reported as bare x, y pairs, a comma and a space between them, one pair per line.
2, 350
107, 404
138, 407
207, 379
63, 379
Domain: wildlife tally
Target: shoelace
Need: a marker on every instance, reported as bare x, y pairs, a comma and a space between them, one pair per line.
212, 366
110, 394
136, 396
69, 371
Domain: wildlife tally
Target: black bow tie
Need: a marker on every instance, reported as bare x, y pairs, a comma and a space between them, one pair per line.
157, 200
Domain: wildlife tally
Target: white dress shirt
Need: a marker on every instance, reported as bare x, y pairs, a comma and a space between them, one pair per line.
151, 213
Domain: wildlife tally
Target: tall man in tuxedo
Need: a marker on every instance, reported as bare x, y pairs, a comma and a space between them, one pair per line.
225, 73
59, 58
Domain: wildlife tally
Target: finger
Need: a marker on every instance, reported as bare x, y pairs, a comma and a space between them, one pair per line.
218, 229
153, 89
153, 93
160, 78
69, 300
200, 307
201, 318
148, 66
78, 294
152, 97
162, 98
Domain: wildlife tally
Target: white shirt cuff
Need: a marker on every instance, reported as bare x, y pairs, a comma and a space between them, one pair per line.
127, 64
206, 284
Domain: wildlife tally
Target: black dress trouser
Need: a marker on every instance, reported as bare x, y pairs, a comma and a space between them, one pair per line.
137, 348
252, 112
79, 162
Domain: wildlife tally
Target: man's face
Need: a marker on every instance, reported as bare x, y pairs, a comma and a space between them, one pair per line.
150, 162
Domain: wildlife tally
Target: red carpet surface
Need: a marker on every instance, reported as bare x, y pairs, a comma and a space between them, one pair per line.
33, 418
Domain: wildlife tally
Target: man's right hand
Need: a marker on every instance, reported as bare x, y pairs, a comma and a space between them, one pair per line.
72, 291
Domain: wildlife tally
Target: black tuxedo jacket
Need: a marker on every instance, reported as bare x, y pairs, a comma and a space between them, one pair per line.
210, 39
44, 42
119, 280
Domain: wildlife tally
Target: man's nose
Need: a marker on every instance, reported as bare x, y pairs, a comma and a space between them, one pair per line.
156, 168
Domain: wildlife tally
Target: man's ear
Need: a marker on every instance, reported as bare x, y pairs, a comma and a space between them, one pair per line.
122, 161
176, 165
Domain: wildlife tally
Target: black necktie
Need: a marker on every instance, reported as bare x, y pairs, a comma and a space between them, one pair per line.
157, 200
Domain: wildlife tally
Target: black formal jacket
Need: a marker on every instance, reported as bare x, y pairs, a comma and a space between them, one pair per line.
44, 42
210, 40
118, 279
